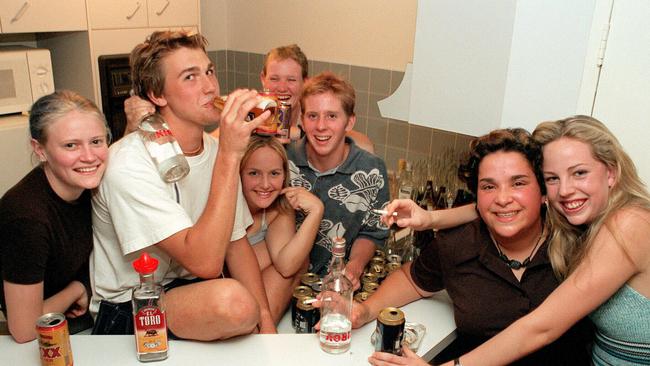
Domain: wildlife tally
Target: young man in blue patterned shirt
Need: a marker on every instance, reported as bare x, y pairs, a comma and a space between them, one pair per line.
350, 181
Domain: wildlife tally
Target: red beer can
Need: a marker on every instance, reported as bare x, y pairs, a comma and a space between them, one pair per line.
54, 340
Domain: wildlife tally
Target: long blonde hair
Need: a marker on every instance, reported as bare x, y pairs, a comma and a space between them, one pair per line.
569, 244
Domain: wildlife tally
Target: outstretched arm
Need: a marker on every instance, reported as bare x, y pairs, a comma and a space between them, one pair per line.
611, 262
409, 214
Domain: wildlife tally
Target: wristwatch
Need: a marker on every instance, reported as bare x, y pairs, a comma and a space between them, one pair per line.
457, 362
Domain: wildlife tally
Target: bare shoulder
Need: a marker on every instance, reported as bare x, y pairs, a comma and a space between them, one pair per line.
631, 227
362, 141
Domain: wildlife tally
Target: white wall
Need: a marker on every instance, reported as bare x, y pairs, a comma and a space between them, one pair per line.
371, 33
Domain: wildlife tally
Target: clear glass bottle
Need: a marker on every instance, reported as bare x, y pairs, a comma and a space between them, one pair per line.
406, 184
336, 308
163, 148
149, 322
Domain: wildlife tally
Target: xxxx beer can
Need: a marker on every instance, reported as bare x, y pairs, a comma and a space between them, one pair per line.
54, 340
306, 316
298, 292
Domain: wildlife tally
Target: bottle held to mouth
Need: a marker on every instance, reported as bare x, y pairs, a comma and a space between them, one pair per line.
269, 102
163, 148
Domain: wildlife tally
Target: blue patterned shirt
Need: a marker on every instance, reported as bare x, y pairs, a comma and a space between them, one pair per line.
348, 192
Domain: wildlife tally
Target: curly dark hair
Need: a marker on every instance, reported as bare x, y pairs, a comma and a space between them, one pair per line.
507, 140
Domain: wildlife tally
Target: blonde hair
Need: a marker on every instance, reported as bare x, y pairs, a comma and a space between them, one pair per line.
569, 244
257, 142
290, 52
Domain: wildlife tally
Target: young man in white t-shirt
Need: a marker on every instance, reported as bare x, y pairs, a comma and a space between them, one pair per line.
196, 227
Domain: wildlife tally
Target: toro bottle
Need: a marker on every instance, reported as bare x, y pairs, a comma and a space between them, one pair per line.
336, 308
149, 322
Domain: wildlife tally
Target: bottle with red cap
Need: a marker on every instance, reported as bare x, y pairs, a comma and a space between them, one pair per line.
149, 322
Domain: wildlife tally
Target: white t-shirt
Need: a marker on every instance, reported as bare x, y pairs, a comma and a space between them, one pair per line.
134, 208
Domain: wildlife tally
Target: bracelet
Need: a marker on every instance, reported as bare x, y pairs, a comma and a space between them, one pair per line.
457, 362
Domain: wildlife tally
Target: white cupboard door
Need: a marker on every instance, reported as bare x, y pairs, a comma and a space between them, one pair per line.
29, 16
173, 13
623, 97
117, 14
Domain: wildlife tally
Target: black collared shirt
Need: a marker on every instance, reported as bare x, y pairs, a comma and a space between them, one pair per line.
486, 294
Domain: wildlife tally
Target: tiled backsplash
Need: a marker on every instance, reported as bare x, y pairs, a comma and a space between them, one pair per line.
393, 139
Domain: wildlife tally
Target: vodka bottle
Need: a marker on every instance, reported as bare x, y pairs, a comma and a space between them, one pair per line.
163, 148
149, 322
336, 308
406, 184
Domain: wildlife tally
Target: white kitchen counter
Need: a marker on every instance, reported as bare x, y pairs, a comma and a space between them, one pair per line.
436, 313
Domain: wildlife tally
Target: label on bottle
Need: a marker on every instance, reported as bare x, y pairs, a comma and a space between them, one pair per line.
405, 192
150, 330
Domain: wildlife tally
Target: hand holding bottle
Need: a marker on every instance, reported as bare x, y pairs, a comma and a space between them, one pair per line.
234, 131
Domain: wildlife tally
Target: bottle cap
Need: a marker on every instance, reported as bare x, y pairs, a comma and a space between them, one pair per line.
145, 264
339, 246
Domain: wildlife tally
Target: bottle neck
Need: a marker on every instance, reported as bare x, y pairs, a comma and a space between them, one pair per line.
337, 264
146, 279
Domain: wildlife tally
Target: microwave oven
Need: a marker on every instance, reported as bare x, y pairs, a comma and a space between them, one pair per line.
25, 76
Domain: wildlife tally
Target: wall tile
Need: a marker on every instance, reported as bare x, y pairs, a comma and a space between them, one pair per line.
396, 78
441, 141
241, 80
222, 64
310, 65
392, 156
255, 62
397, 134
230, 60
373, 107
377, 130
419, 139
361, 103
241, 62
341, 70
231, 81
320, 66
254, 82
380, 82
361, 124
360, 78
380, 150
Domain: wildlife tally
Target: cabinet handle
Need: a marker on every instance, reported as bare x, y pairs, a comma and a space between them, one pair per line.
137, 7
163, 8
20, 12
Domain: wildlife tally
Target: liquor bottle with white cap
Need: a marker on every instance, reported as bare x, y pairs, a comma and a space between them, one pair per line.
163, 148
336, 308
149, 321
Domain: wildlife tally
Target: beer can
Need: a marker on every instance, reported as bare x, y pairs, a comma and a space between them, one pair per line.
54, 340
394, 258
298, 292
377, 261
269, 102
361, 296
392, 266
370, 287
284, 119
307, 279
390, 331
369, 277
306, 316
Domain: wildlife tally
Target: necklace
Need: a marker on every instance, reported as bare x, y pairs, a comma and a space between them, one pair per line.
194, 152
513, 263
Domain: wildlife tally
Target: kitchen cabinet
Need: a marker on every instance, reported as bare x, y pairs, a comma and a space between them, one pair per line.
123, 14
30, 16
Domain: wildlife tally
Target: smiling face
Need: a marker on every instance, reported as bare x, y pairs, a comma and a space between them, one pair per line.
577, 184
75, 153
325, 123
509, 198
283, 77
262, 176
190, 88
